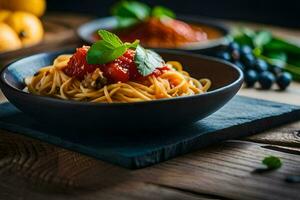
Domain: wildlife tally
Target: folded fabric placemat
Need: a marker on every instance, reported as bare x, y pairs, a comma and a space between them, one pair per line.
241, 117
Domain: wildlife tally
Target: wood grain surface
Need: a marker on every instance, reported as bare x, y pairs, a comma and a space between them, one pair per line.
33, 170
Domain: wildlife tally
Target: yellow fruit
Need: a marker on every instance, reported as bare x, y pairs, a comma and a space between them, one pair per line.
9, 40
36, 7
4, 14
27, 26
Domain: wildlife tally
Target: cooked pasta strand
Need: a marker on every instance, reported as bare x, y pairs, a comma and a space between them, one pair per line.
52, 81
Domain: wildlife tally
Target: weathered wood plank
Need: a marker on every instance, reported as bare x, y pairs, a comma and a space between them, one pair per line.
288, 135
220, 172
2, 98
230, 176
290, 96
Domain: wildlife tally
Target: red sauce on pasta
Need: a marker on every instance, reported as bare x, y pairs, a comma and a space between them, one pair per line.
123, 69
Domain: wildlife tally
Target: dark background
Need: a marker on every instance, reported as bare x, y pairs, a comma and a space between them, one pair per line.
284, 12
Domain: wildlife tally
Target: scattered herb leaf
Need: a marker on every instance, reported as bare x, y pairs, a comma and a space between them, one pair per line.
262, 38
160, 11
277, 55
276, 51
277, 44
272, 162
147, 61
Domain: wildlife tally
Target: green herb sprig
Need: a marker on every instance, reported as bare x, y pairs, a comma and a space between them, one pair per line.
274, 50
129, 13
110, 47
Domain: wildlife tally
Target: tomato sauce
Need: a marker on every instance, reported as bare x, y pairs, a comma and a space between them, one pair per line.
166, 33
122, 69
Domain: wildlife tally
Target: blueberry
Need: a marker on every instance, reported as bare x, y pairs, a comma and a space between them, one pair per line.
284, 80
246, 49
235, 55
224, 55
251, 77
239, 65
266, 80
249, 61
233, 46
276, 70
261, 65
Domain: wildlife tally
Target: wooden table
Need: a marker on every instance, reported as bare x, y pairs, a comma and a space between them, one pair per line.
31, 170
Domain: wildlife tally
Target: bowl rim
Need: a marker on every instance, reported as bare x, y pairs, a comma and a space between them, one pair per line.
187, 18
4, 83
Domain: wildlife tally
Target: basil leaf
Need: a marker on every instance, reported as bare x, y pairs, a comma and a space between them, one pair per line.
147, 61
108, 49
132, 45
124, 22
160, 11
103, 52
110, 38
282, 45
131, 9
277, 56
243, 36
272, 162
262, 38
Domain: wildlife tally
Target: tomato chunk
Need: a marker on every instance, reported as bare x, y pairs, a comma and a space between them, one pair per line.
78, 66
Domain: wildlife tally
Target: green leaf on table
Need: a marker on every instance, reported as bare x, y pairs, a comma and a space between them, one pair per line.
243, 36
262, 38
131, 9
295, 62
272, 162
282, 56
147, 61
160, 11
277, 44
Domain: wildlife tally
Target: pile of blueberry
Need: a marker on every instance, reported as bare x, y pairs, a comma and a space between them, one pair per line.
255, 69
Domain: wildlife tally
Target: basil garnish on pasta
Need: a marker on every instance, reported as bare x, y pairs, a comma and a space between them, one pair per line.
147, 61
108, 49
111, 48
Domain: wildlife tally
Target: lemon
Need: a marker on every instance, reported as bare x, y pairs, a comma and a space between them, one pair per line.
4, 14
36, 7
27, 26
9, 40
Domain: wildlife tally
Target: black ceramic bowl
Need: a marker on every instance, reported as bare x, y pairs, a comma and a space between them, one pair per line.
86, 31
226, 81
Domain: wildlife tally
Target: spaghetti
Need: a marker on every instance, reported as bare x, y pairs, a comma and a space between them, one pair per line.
52, 81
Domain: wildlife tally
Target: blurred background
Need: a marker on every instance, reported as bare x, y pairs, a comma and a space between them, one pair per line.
284, 13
